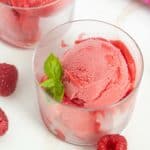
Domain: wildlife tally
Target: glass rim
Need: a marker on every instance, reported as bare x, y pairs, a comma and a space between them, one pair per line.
30, 8
122, 100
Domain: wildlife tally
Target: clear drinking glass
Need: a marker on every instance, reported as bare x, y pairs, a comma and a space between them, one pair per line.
23, 27
83, 126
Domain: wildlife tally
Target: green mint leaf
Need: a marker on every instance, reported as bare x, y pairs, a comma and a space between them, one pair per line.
53, 68
57, 91
48, 84
53, 85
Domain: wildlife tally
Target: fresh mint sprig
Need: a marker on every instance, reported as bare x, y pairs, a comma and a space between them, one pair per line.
54, 71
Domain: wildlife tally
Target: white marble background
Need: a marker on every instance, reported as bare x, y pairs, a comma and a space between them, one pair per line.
27, 131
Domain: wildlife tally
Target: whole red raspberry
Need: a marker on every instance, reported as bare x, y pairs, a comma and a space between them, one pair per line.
3, 122
8, 79
112, 142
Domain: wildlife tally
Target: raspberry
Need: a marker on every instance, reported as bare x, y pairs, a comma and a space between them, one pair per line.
3, 122
112, 142
8, 79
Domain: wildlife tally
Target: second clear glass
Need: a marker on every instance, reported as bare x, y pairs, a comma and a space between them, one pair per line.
83, 126
24, 27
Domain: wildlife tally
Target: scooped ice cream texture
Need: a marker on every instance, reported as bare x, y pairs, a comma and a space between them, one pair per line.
31, 3
98, 72
27, 3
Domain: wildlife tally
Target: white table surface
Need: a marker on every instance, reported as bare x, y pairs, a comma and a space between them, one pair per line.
27, 131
